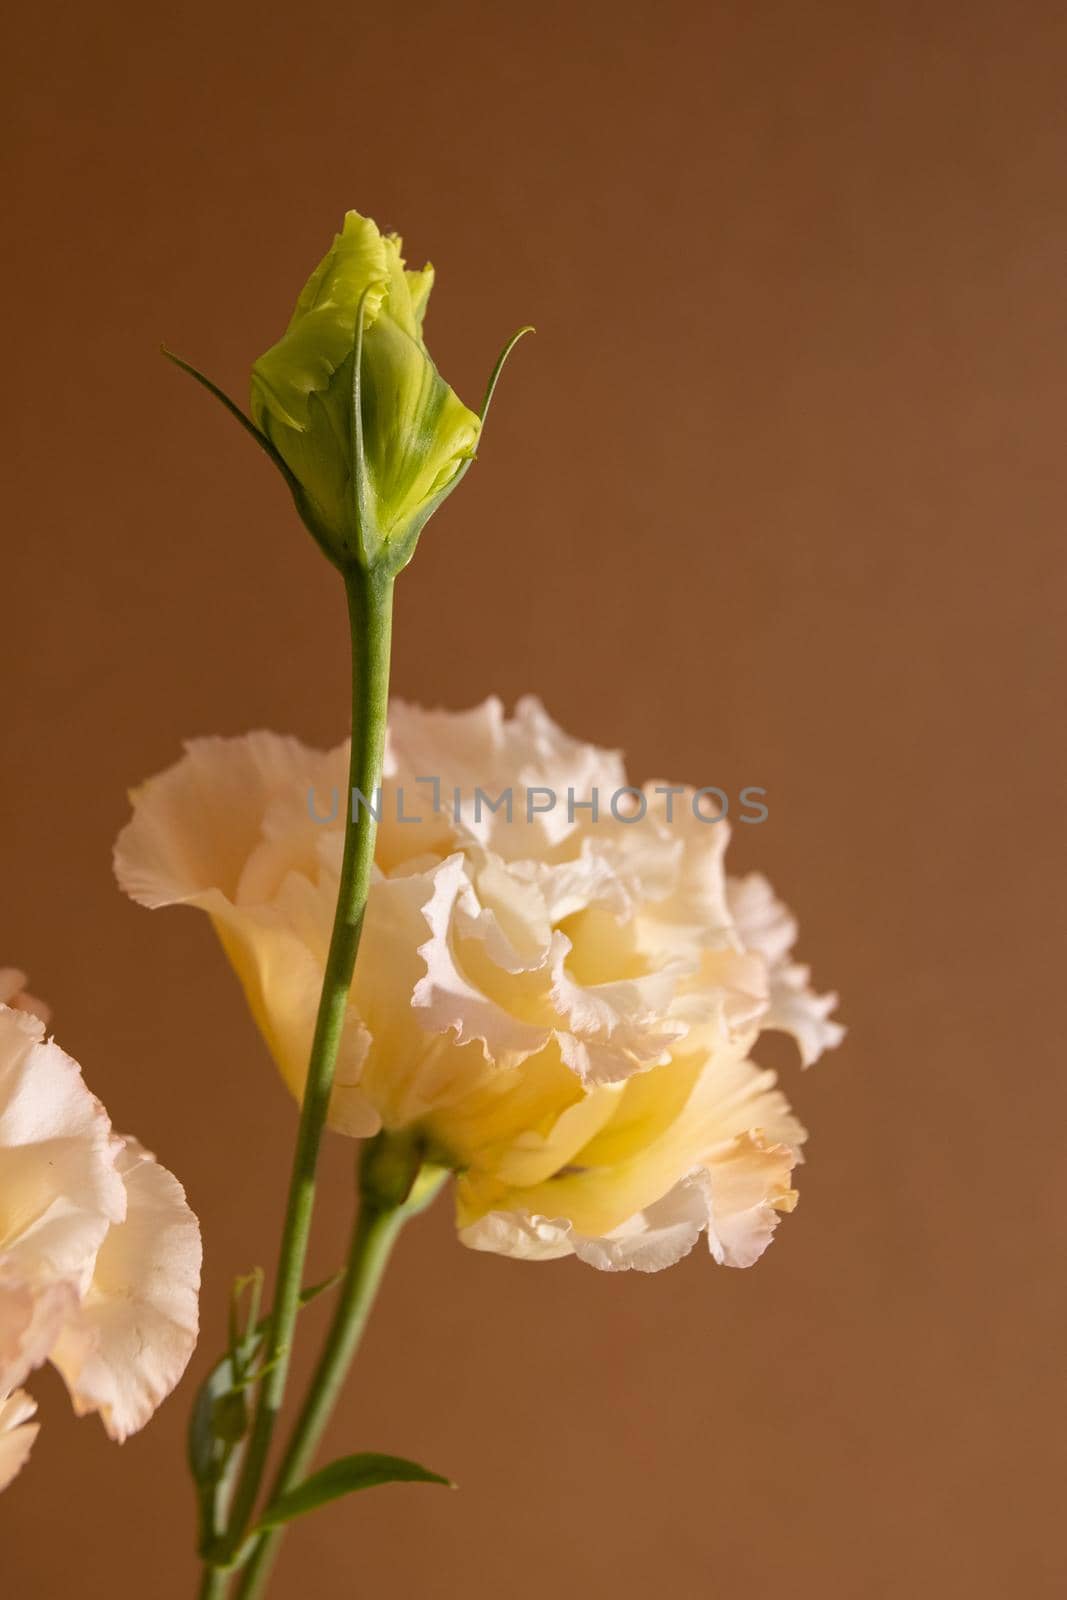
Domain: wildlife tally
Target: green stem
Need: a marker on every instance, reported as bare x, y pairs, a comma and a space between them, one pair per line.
370, 612
213, 1583
384, 1209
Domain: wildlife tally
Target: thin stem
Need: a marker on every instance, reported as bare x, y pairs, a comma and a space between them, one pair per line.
370, 613
378, 1225
213, 1583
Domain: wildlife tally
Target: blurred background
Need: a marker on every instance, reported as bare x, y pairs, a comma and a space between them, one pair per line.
774, 497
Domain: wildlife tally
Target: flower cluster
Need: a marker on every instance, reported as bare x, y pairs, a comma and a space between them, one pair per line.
563, 1011
99, 1253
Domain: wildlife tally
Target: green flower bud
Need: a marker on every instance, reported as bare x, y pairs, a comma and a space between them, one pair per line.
351, 409
351, 401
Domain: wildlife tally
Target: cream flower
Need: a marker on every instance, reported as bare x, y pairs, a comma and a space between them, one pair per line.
561, 1002
99, 1252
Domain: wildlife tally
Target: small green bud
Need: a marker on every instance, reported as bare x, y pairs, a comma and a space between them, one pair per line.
350, 400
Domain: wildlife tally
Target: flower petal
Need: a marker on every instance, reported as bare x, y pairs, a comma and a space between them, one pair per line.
520, 1235
447, 999
795, 1008
483, 750
128, 1343
748, 1187
737, 1199
281, 972
196, 826
765, 925
730, 1144
417, 431
229, 829
321, 331
17, 1434
653, 1239
31, 1316
416, 1062
60, 1190
615, 1029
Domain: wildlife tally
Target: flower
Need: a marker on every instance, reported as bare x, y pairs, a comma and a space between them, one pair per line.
99, 1253
372, 448
561, 1006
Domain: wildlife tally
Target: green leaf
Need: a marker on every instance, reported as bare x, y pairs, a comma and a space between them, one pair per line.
308, 513
235, 412
206, 1448
352, 1473
494, 376
229, 1418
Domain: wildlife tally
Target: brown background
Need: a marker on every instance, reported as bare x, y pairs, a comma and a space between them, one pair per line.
775, 496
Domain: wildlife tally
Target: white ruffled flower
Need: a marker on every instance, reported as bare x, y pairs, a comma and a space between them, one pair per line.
99, 1253
563, 1005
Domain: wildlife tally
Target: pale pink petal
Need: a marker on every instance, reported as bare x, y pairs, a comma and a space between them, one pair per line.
482, 749
446, 998
197, 826
229, 829
613, 1030
655, 1238
59, 1189
509, 915
766, 926
127, 1345
795, 1008
640, 1192
736, 1199
496, 973
688, 904
519, 1235
594, 877
651, 1240
763, 923
417, 1063
17, 1434
748, 1188
31, 1316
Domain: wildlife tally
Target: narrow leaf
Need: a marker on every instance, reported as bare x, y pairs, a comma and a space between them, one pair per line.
206, 1449
238, 415
352, 1473
498, 369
